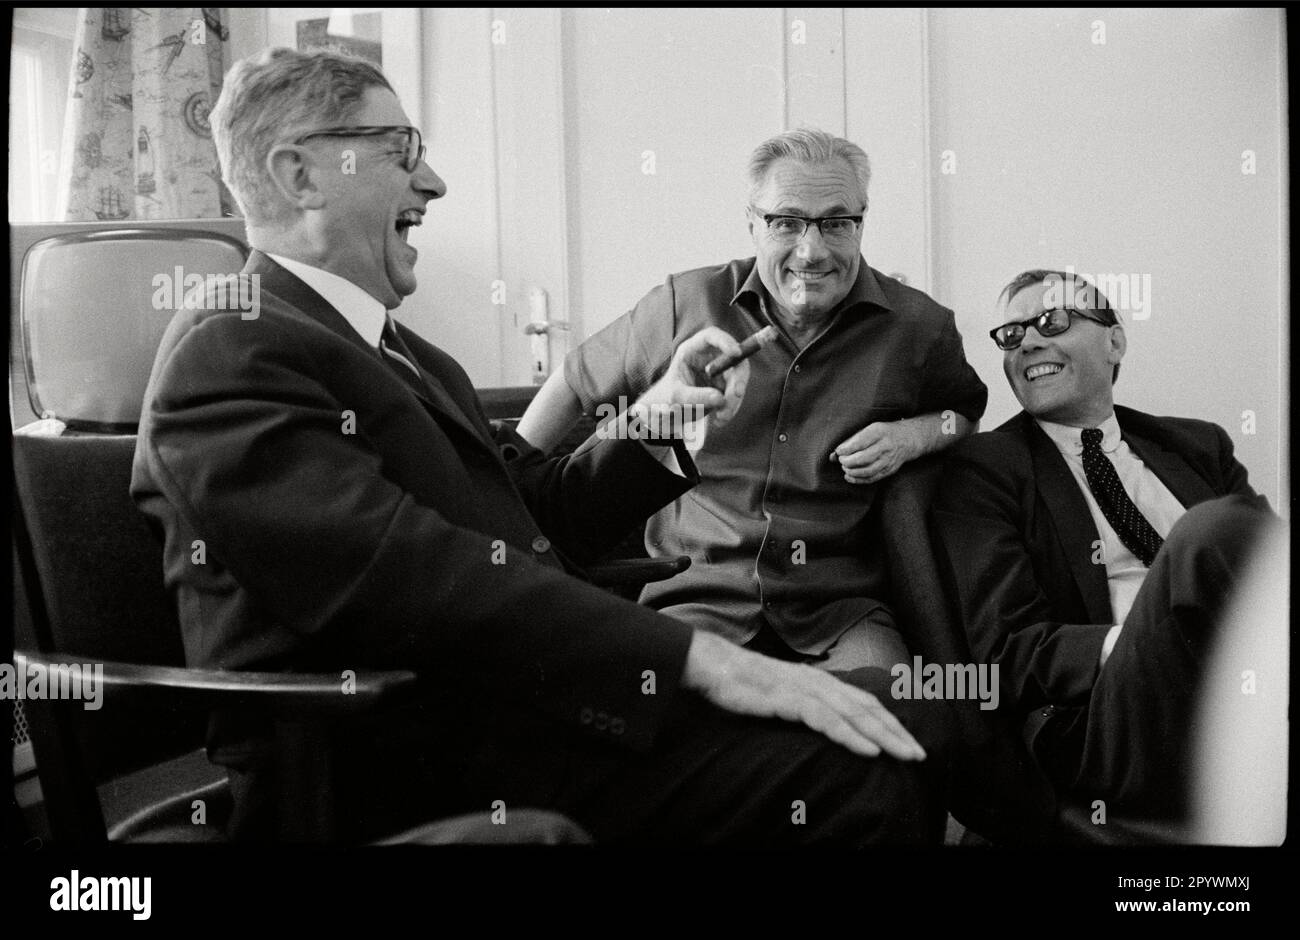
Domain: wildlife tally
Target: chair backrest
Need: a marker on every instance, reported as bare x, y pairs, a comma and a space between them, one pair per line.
926, 616
93, 302
93, 573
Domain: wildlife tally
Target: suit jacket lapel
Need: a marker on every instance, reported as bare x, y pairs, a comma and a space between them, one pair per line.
290, 289
1072, 520
1188, 486
436, 396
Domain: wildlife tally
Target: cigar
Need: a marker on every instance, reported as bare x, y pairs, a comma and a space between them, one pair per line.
751, 345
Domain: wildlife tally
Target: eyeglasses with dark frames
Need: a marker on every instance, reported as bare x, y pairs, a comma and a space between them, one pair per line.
791, 228
414, 152
1052, 322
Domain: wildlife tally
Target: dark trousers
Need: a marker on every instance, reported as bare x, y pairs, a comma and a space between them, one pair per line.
710, 778
991, 784
718, 778
1132, 748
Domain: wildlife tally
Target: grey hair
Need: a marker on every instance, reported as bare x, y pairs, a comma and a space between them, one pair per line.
271, 98
807, 145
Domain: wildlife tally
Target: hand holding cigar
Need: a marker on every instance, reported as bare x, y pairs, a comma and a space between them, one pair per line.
748, 347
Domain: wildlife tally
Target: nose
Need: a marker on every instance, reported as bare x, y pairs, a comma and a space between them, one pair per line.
1032, 339
428, 183
811, 245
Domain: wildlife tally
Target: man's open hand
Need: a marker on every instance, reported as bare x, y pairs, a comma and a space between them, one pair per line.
747, 683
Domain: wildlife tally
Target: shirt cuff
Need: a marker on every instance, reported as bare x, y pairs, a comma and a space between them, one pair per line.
673, 456
1108, 644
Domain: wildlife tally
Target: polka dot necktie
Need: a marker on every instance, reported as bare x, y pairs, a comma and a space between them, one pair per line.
1124, 517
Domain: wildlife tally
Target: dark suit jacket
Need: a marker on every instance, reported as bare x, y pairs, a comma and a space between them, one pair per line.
1019, 545
319, 515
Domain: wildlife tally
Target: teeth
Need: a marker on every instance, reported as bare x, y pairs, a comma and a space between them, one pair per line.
406, 220
1046, 368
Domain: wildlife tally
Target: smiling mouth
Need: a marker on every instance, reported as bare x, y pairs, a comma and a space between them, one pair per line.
406, 221
809, 275
1042, 369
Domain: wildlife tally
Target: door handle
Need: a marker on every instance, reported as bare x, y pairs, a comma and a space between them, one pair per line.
539, 327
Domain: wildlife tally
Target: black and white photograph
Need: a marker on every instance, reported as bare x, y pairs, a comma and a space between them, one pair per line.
845, 450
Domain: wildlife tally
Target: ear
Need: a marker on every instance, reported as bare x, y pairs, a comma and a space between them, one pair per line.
1118, 345
294, 173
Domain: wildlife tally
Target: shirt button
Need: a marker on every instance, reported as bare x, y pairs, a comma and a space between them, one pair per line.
541, 545
782, 438
767, 604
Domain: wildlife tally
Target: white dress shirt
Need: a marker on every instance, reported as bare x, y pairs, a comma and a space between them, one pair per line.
1124, 572
364, 314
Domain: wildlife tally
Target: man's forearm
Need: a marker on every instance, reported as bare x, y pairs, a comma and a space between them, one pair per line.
552, 413
933, 432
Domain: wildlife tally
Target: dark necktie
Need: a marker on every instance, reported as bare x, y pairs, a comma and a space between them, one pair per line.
389, 347
1125, 518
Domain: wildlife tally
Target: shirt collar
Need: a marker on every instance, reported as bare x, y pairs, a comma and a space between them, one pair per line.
1069, 440
866, 289
364, 314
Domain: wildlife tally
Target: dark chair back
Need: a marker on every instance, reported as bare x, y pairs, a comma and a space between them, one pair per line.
97, 560
1000, 793
926, 616
92, 578
95, 587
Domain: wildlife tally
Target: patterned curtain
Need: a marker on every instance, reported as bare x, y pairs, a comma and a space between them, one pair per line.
136, 140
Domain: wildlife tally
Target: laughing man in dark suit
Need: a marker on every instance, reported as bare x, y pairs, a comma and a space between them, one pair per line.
1092, 548
358, 511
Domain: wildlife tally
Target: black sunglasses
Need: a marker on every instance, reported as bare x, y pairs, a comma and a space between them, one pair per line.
1052, 322
414, 142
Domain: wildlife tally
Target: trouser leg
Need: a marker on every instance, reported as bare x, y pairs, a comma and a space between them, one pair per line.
1136, 745
713, 778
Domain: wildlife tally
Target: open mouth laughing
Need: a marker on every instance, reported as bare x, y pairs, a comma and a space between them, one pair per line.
407, 220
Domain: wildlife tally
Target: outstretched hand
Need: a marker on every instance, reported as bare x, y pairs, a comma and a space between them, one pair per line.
748, 683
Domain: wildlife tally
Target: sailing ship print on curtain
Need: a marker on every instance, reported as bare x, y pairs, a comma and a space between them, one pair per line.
136, 140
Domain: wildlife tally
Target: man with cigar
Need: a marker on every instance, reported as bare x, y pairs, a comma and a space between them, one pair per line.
358, 511
864, 375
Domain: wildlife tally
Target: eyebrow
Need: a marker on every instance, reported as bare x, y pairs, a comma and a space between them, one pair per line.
835, 210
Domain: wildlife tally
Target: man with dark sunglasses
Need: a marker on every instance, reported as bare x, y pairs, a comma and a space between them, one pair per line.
1092, 549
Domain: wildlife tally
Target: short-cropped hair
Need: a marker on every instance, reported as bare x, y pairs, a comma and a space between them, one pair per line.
273, 97
1096, 302
811, 146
